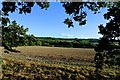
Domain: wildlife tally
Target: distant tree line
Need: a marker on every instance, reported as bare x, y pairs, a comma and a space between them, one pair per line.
73, 43
18, 36
105, 52
64, 42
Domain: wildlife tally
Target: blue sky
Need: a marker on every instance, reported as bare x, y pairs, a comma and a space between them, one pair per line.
49, 23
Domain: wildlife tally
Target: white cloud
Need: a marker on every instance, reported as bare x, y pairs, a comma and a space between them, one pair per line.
78, 36
67, 35
70, 35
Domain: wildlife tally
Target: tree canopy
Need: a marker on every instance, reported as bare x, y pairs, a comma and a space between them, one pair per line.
106, 51
15, 35
74, 9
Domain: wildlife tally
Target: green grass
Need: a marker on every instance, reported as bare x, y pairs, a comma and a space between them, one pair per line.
45, 63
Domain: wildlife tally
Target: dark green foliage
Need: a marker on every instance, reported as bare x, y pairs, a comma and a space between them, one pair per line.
45, 44
22, 7
30, 40
15, 35
5, 21
68, 22
38, 43
78, 13
69, 42
113, 58
108, 50
76, 10
63, 44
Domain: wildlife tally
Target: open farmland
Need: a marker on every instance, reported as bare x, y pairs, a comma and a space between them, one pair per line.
52, 63
54, 54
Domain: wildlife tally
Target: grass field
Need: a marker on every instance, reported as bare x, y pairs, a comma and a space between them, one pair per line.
52, 63
54, 54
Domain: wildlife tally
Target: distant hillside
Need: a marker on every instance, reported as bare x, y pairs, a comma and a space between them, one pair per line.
67, 42
72, 39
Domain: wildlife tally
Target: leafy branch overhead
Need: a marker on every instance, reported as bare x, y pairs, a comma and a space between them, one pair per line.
106, 51
78, 13
74, 9
17, 34
22, 7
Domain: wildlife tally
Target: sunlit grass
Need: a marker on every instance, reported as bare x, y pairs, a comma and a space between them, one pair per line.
52, 63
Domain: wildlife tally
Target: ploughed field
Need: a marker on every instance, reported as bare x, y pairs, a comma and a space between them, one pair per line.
52, 63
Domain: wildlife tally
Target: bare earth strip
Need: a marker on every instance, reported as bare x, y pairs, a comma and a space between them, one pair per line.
53, 63
54, 55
